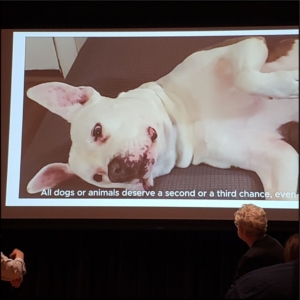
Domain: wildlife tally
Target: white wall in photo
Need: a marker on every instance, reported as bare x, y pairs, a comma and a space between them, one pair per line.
47, 53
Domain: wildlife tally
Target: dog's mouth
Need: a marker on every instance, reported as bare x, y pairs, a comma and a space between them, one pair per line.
125, 169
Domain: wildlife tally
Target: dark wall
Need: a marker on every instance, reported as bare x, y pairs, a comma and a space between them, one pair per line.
142, 262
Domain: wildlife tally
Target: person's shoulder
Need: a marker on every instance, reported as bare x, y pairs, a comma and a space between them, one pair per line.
265, 272
272, 239
248, 285
272, 282
268, 240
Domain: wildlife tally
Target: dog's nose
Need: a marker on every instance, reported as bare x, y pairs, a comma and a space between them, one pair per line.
122, 169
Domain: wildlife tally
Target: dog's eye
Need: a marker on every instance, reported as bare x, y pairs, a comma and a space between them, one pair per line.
97, 131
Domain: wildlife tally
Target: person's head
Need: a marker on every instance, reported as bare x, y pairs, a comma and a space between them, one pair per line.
291, 248
251, 222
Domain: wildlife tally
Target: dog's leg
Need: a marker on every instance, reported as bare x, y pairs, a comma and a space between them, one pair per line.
276, 163
247, 58
278, 85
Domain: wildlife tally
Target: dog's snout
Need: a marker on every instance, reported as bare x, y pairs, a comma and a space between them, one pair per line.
121, 169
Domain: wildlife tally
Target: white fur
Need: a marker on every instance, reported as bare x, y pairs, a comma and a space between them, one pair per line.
213, 108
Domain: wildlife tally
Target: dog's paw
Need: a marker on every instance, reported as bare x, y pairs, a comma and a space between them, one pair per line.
289, 87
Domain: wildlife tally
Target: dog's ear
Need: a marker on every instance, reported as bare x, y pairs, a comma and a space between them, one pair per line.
60, 98
48, 177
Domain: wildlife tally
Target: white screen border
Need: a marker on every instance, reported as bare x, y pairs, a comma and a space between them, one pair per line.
16, 120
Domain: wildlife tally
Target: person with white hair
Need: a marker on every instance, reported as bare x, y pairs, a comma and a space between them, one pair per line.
251, 222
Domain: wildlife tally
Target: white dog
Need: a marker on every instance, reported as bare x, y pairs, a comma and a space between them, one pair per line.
222, 106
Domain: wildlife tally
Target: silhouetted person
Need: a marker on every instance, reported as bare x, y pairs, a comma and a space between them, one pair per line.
280, 281
251, 222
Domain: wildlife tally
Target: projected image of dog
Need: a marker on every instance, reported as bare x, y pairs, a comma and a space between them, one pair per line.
224, 107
